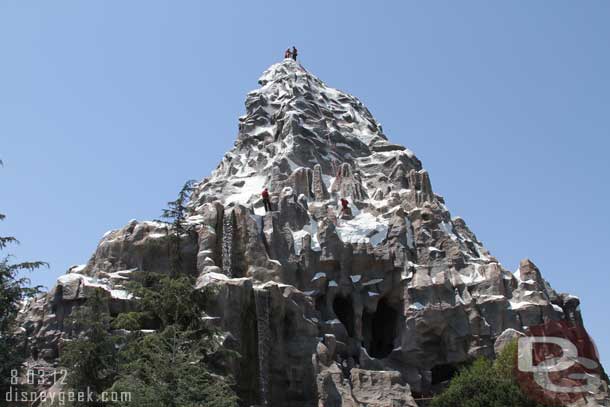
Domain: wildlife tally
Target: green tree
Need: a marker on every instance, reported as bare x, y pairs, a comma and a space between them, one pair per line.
163, 301
167, 367
90, 355
14, 289
486, 384
175, 215
163, 361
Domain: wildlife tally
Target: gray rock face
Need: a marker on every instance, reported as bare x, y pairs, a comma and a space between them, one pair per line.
326, 310
505, 338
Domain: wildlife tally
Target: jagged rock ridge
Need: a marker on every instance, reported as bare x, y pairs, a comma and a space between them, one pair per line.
326, 308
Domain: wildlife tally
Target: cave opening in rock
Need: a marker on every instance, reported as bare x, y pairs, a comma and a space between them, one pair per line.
344, 309
380, 329
59, 295
443, 373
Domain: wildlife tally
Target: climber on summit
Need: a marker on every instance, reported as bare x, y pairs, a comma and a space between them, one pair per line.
288, 54
294, 53
266, 201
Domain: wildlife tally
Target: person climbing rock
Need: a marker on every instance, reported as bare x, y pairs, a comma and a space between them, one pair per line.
294, 53
346, 212
288, 54
266, 201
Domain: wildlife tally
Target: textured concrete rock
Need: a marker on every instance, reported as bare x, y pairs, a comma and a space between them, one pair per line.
325, 310
142, 246
319, 188
348, 184
508, 336
380, 388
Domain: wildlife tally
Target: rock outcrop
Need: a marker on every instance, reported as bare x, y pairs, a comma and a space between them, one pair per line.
372, 308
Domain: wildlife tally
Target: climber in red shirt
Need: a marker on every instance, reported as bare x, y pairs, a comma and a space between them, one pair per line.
294, 53
344, 206
266, 201
288, 54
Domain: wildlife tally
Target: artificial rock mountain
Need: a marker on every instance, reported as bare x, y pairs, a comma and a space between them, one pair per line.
365, 307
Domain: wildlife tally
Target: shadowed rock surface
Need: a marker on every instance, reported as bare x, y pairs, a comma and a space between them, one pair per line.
365, 308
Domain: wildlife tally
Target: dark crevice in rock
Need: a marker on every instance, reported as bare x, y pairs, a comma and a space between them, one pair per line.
344, 309
262, 305
247, 380
443, 373
379, 329
59, 293
319, 304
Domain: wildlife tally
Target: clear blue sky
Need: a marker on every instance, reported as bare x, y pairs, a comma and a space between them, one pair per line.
107, 107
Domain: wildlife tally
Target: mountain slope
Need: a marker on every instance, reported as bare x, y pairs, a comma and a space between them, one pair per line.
361, 306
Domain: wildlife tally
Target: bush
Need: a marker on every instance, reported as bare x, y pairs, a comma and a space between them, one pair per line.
486, 384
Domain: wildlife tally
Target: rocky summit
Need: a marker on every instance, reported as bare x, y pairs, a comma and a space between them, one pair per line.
376, 304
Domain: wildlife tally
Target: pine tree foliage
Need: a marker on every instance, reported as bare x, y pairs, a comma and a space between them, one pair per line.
176, 210
161, 357
166, 369
91, 352
14, 289
175, 215
165, 366
164, 301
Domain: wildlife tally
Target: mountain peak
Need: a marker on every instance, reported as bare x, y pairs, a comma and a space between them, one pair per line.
287, 88
294, 120
283, 70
